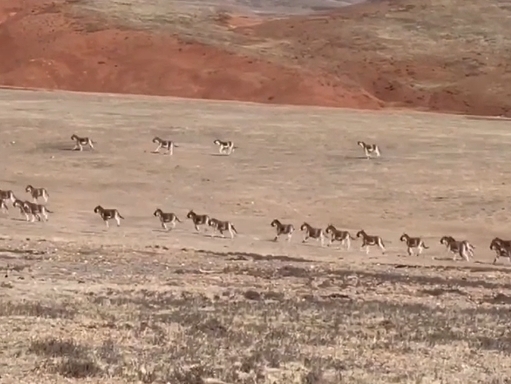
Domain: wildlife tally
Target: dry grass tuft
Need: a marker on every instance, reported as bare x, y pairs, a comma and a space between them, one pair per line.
35, 309
52, 347
77, 368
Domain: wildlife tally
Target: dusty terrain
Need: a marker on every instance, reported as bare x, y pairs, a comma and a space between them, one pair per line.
135, 303
440, 55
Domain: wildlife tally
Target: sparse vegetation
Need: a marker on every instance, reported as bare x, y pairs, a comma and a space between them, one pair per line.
35, 309
261, 335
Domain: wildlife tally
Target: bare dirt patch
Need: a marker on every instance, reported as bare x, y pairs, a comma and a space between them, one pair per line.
137, 304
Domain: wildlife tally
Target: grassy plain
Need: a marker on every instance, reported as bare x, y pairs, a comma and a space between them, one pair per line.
136, 303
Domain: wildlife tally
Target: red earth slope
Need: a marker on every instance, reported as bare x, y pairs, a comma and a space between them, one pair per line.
337, 59
42, 46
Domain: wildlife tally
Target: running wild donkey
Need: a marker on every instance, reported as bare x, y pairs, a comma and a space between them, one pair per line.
165, 144
109, 214
339, 235
283, 229
166, 218
413, 242
36, 193
369, 149
23, 209
462, 248
315, 233
370, 240
198, 220
36, 210
502, 248
222, 226
7, 195
224, 146
81, 142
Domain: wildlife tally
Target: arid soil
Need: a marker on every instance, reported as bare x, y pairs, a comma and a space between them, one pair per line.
136, 303
441, 55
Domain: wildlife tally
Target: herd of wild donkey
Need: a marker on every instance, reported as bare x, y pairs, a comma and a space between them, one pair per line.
33, 210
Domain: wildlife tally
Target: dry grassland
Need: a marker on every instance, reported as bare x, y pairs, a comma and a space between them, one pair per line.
137, 304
